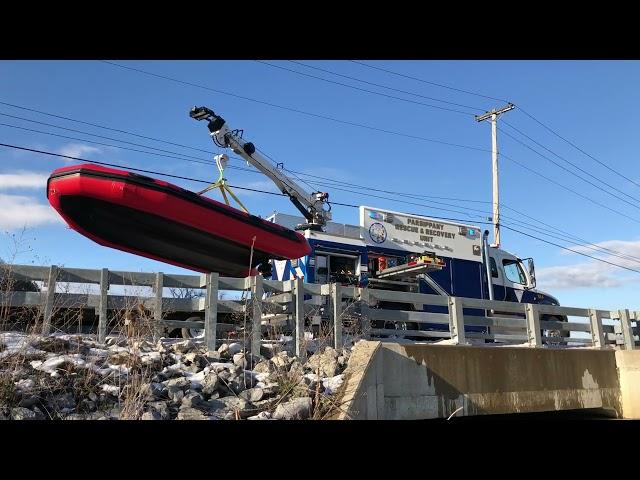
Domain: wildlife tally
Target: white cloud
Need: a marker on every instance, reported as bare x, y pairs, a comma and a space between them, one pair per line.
594, 273
23, 179
18, 211
77, 150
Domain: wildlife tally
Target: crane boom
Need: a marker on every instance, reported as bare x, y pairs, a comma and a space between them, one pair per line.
311, 205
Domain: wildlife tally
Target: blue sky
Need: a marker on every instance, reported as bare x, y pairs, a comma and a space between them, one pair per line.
594, 104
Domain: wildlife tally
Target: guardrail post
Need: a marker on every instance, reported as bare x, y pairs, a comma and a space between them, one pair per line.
300, 347
336, 313
597, 334
456, 321
211, 311
102, 306
627, 331
157, 309
257, 289
364, 311
48, 301
533, 325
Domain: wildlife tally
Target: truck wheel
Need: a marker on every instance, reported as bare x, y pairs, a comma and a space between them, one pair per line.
193, 332
557, 335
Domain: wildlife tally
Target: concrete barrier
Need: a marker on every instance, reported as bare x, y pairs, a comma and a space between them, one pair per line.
419, 381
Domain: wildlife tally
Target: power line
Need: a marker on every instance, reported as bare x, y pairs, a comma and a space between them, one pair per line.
99, 136
577, 167
428, 82
570, 250
565, 238
569, 189
302, 112
578, 148
278, 194
204, 162
567, 170
102, 126
384, 86
363, 89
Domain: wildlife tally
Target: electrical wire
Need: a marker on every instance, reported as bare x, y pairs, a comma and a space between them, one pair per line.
386, 87
364, 89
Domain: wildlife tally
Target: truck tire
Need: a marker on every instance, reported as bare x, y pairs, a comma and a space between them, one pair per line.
556, 334
192, 332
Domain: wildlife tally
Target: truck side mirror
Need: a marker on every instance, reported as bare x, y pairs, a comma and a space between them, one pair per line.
532, 272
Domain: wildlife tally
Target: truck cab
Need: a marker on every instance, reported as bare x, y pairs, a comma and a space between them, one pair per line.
513, 282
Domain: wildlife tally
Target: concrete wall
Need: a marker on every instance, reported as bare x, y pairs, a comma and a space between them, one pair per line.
628, 362
409, 381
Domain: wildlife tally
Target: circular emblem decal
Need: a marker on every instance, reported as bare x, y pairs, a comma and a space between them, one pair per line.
378, 233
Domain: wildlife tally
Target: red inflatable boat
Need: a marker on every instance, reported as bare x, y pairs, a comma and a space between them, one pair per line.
158, 220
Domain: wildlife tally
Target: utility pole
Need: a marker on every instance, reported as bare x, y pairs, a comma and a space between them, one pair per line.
493, 116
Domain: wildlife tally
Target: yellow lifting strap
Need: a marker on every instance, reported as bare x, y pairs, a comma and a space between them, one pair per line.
221, 183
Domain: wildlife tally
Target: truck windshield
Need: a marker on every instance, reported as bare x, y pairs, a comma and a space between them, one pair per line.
513, 271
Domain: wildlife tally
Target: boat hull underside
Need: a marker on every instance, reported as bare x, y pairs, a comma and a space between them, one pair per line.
156, 237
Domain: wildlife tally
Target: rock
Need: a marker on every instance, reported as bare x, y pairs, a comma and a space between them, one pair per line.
234, 348
252, 395
212, 356
210, 384
161, 409
264, 404
160, 347
267, 351
190, 413
233, 406
265, 366
193, 368
342, 360
28, 401
326, 362
22, 413
212, 406
224, 350
150, 415
192, 400
295, 409
159, 390
332, 384
241, 382
246, 360
270, 389
183, 347
75, 416
310, 380
25, 385
62, 403
261, 416
282, 361
296, 369
181, 383
87, 405
39, 414
112, 413
176, 388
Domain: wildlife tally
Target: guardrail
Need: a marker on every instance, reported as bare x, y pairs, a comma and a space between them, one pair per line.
516, 323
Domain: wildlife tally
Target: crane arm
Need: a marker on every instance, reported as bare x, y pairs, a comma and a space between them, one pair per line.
311, 205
